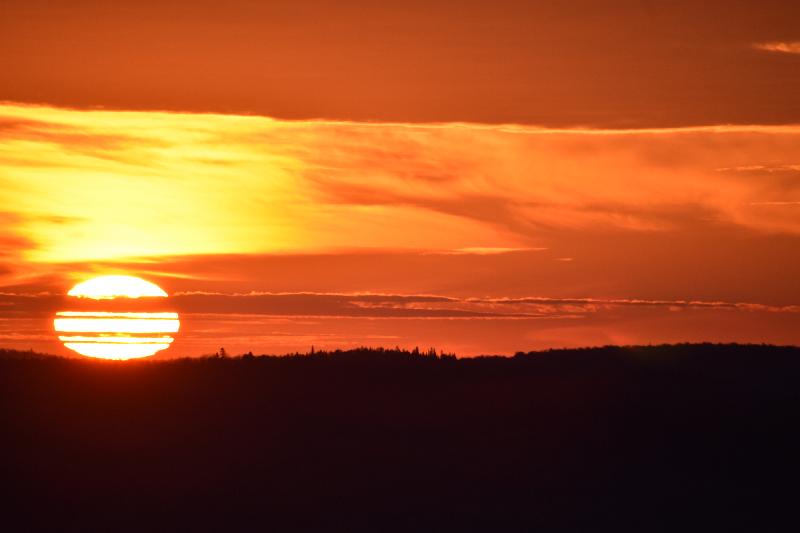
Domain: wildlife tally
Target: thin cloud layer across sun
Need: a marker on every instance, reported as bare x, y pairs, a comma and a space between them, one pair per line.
105, 334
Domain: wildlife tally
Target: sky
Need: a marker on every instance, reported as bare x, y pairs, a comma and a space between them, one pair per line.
501, 177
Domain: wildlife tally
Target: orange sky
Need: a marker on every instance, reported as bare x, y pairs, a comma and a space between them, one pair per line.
607, 64
484, 181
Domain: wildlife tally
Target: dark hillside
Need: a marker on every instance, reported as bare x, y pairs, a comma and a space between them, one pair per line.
666, 438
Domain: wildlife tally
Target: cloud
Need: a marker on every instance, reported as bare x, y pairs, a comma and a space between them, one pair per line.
103, 185
783, 47
761, 169
591, 303
485, 250
363, 305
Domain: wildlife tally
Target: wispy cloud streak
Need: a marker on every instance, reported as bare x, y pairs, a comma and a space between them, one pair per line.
783, 47
306, 304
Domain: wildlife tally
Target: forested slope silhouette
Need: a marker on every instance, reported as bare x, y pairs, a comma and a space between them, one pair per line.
661, 438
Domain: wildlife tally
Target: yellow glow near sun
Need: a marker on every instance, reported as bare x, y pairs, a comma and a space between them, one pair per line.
111, 334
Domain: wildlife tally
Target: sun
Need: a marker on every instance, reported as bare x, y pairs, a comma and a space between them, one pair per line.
117, 317
110, 287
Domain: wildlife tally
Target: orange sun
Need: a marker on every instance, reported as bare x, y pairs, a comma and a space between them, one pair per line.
116, 317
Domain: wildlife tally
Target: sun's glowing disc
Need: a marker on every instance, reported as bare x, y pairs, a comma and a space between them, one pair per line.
108, 333
110, 287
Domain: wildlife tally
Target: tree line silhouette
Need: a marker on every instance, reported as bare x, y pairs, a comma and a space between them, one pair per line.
649, 438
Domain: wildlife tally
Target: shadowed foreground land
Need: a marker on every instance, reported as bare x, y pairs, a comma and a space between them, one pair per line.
689, 437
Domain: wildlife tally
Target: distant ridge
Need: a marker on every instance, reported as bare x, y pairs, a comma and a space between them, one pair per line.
687, 437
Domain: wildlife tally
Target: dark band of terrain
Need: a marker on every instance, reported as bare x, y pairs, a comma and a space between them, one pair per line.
667, 438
